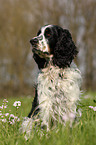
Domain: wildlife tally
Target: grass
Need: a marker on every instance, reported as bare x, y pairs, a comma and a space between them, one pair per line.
82, 133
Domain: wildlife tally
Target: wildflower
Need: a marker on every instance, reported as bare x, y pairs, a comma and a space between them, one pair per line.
13, 119
91, 107
0, 113
5, 106
1, 107
4, 120
17, 104
6, 114
18, 119
5, 100
11, 116
10, 122
94, 108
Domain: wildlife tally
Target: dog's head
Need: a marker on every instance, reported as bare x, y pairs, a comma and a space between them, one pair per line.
53, 42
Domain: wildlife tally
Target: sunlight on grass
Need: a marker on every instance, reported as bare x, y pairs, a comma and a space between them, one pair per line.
83, 132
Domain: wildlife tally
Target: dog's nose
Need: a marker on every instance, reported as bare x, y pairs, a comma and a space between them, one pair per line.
34, 41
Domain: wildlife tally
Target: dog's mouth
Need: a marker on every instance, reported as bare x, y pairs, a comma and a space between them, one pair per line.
40, 53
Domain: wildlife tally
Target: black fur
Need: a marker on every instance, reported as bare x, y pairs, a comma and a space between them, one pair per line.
41, 62
35, 103
65, 50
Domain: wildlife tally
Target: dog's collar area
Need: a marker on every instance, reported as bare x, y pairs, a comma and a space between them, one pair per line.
50, 68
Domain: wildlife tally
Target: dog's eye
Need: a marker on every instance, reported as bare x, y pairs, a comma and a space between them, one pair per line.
47, 33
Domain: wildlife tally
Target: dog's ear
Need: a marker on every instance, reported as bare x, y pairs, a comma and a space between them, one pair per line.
65, 50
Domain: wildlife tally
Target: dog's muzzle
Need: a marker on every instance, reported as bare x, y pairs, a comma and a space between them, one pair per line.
35, 48
34, 41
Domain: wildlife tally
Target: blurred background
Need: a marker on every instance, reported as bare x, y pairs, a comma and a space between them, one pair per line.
20, 21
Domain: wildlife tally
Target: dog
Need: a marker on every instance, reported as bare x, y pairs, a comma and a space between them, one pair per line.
57, 90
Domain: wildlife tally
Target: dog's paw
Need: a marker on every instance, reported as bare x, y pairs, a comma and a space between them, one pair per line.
26, 127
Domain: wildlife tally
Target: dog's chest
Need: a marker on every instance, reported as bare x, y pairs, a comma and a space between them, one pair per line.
58, 91
48, 84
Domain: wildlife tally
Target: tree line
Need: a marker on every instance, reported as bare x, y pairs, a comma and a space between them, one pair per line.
20, 21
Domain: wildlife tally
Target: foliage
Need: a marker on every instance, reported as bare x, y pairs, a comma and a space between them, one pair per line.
82, 132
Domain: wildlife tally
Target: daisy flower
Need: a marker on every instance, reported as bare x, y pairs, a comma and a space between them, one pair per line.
94, 108
17, 104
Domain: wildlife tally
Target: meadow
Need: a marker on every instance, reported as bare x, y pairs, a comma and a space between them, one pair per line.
83, 132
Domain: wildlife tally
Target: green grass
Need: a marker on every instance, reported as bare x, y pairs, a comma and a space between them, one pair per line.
82, 133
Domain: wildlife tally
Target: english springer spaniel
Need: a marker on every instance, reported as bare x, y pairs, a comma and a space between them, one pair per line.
58, 84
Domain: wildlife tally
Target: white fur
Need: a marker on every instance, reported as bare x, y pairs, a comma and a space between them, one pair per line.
57, 95
43, 44
26, 127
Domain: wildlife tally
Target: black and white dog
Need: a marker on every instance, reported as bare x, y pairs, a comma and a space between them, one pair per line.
59, 80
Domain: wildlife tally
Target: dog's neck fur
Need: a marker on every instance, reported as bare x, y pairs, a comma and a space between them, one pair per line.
48, 63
